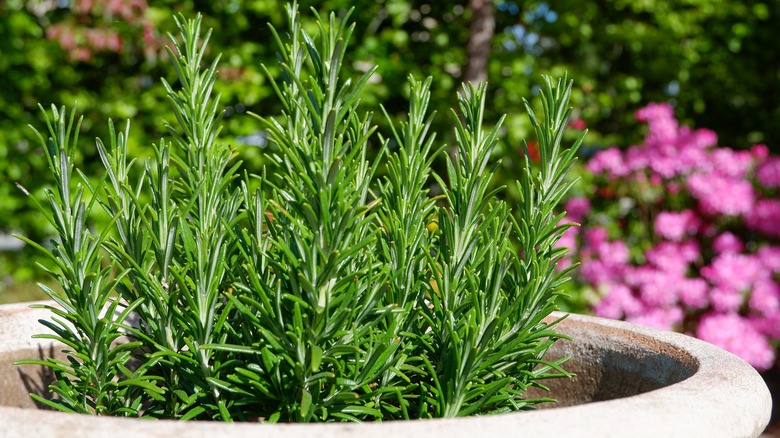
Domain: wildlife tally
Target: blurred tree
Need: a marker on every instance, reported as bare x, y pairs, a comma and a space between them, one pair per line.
712, 59
483, 26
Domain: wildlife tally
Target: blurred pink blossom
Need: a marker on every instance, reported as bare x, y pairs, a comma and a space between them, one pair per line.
609, 161
703, 138
578, 124
770, 257
737, 335
655, 111
569, 241
676, 225
673, 256
660, 289
765, 297
618, 302
768, 325
720, 194
660, 120
725, 300
731, 163
694, 293
598, 272
759, 151
734, 272
613, 253
727, 242
595, 236
768, 172
660, 318
765, 217
576, 208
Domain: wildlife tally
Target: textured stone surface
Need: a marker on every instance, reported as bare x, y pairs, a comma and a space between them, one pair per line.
631, 381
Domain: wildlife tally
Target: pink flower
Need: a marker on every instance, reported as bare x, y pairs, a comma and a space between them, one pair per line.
768, 172
578, 124
655, 111
598, 272
564, 263
637, 158
636, 276
618, 302
734, 272
673, 256
664, 164
725, 300
694, 293
759, 151
674, 226
668, 150
595, 236
731, 163
577, 207
769, 325
719, 194
770, 257
660, 318
609, 162
765, 297
737, 335
660, 121
765, 217
569, 241
689, 250
704, 138
614, 254
660, 289
727, 243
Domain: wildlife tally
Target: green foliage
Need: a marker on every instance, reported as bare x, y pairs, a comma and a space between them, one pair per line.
317, 290
95, 378
628, 53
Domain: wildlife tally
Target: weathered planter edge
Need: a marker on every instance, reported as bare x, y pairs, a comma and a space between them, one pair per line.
724, 396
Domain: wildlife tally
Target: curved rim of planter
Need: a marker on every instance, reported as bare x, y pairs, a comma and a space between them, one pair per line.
723, 396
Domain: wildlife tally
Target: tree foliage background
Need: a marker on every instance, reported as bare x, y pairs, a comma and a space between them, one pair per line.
712, 59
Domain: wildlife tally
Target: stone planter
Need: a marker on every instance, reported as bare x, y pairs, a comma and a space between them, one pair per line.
631, 381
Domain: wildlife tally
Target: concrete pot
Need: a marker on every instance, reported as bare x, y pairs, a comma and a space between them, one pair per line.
631, 381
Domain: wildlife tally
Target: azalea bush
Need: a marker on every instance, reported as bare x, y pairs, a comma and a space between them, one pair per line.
680, 233
320, 289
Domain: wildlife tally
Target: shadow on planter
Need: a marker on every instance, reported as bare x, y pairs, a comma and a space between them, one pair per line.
34, 379
772, 379
610, 366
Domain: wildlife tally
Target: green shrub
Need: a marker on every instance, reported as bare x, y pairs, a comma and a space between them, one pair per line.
316, 290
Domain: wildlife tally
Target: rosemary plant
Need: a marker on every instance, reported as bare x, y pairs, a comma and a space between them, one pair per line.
317, 290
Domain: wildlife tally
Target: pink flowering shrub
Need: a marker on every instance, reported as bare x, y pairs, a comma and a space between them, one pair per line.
682, 234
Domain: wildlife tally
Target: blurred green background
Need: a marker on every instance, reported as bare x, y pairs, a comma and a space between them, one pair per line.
714, 60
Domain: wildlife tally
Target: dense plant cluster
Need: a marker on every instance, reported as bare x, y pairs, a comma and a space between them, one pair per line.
683, 234
317, 290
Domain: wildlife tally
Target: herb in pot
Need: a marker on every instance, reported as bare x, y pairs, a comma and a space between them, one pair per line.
318, 290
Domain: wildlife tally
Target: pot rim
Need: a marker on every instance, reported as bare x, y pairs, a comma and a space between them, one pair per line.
724, 396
